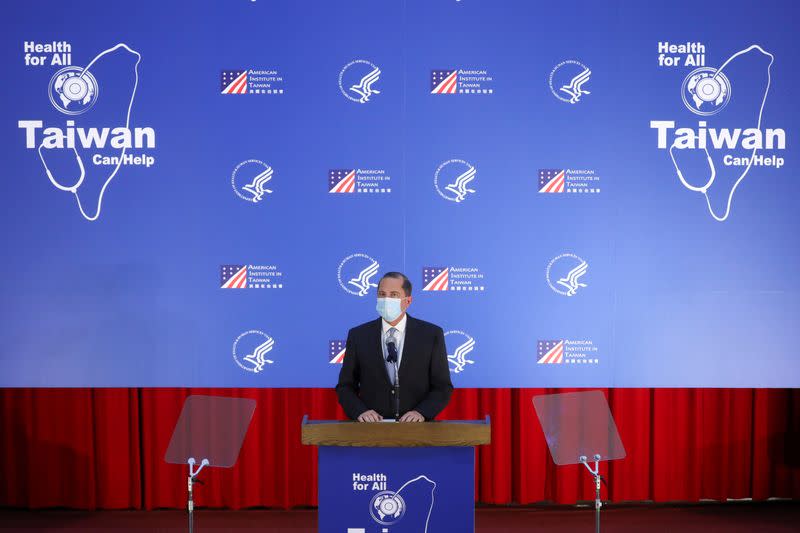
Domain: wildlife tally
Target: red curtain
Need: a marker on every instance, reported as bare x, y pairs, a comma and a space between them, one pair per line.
104, 448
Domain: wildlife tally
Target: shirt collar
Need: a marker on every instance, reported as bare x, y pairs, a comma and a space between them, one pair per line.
400, 327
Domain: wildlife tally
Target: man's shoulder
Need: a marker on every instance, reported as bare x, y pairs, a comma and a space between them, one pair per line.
425, 326
364, 328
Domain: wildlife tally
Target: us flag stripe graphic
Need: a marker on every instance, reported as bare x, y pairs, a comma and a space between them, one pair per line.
234, 82
346, 184
551, 180
435, 279
444, 81
553, 352
234, 276
336, 351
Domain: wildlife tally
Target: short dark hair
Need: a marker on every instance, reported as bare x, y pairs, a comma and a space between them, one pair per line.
398, 275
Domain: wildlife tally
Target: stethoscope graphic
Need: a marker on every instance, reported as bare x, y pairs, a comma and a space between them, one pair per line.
704, 189
74, 187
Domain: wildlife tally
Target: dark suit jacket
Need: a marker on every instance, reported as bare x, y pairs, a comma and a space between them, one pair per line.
364, 382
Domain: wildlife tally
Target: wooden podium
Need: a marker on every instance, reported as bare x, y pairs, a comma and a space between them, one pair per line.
390, 477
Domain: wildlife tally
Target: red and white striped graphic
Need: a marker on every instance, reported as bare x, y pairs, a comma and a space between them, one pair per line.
554, 185
553, 355
238, 280
439, 283
348, 183
338, 358
448, 85
237, 86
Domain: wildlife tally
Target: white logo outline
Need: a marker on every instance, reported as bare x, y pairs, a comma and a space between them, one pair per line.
459, 187
256, 358
362, 282
256, 186
364, 88
570, 282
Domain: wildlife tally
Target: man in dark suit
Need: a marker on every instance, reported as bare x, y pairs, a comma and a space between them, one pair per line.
395, 356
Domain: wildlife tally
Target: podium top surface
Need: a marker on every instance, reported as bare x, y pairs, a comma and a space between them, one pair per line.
394, 434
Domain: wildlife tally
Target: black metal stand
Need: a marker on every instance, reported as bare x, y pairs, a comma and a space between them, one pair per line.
595, 472
192, 479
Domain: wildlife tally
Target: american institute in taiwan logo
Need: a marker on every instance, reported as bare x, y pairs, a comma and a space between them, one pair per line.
452, 278
568, 180
250, 277
558, 351
461, 81
359, 180
251, 81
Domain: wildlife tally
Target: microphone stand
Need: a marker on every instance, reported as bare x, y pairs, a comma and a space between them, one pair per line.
396, 393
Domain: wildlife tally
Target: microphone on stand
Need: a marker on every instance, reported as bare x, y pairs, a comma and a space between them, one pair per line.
391, 357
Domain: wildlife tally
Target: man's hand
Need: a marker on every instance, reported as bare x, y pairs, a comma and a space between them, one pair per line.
412, 416
369, 416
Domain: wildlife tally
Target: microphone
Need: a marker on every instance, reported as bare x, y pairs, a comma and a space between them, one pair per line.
391, 350
391, 357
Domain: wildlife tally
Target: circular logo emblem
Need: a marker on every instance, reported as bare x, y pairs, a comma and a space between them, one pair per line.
567, 81
705, 91
387, 508
459, 345
250, 180
453, 180
564, 273
250, 350
73, 91
356, 273
357, 80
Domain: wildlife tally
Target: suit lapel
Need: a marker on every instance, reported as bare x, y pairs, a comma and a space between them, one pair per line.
409, 345
375, 341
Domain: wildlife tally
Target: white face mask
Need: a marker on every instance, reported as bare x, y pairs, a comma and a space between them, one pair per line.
389, 308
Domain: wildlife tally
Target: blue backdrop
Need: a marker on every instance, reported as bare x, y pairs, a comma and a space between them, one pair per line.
258, 164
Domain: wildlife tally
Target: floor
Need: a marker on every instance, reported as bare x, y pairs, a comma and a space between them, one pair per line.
694, 518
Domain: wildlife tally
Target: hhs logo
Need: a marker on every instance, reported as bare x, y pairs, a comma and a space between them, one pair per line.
567, 80
250, 180
356, 80
250, 350
336, 350
453, 180
356, 273
464, 344
565, 272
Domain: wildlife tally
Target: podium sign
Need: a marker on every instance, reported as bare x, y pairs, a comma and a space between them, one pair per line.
373, 490
398, 478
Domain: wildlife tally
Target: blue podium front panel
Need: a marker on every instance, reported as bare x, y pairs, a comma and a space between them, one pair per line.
396, 490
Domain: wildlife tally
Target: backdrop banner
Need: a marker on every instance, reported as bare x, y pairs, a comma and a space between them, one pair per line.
582, 194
